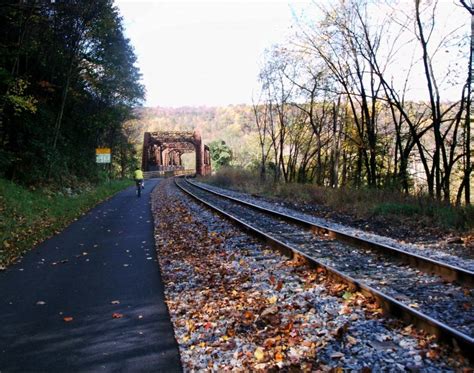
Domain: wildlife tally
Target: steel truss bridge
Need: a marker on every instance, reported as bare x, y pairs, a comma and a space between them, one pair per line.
162, 151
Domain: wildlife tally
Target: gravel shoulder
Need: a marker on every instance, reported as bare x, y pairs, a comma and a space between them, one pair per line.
238, 306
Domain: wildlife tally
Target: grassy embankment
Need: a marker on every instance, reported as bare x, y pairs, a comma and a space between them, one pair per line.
27, 217
360, 203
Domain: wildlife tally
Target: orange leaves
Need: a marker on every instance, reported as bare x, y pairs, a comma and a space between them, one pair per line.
278, 356
337, 289
248, 315
190, 326
278, 285
233, 309
432, 354
288, 327
271, 342
68, 319
214, 301
230, 332
297, 260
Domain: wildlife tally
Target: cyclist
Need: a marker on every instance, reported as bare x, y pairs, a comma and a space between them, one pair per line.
138, 176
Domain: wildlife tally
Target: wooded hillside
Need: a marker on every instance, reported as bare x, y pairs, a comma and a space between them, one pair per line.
232, 124
68, 82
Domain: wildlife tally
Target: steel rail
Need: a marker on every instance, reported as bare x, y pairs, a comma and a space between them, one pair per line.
389, 304
446, 271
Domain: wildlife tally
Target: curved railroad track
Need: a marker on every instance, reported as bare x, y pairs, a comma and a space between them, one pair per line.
435, 296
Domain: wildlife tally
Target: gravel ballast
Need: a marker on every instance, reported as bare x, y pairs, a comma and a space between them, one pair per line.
453, 254
236, 305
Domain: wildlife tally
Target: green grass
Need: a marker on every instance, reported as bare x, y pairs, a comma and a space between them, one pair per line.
445, 216
397, 209
28, 217
362, 203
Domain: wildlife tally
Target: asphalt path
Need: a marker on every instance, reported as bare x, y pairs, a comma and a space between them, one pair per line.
90, 298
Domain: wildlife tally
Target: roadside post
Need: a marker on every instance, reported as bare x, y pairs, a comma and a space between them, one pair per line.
104, 156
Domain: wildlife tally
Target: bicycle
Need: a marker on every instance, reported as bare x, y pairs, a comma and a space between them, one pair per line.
140, 185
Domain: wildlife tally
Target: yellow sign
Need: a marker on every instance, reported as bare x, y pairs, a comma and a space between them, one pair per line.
102, 155
102, 151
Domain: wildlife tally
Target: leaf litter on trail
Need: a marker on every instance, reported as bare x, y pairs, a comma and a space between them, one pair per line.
234, 311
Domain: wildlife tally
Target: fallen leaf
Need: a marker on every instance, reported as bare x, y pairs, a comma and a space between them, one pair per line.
307, 343
345, 310
248, 315
259, 354
269, 311
288, 327
279, 356
269, 342
117, 315
68, 319
432, 354
347, 295
273, 299
351, 340
230, 332
115, 302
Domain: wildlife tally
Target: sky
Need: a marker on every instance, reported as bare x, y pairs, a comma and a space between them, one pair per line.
209, 53
195, 53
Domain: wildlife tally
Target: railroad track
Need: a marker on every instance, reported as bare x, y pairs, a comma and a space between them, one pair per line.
435, 296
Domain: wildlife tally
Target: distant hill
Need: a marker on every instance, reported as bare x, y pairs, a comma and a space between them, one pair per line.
232, 124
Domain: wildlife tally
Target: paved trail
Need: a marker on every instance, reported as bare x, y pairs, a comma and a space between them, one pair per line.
108, 255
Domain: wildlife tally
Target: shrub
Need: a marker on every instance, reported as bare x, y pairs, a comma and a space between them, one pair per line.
362, 202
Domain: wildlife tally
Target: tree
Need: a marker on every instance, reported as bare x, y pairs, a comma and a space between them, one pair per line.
221, 154
349, 80
67, 84
468, 163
